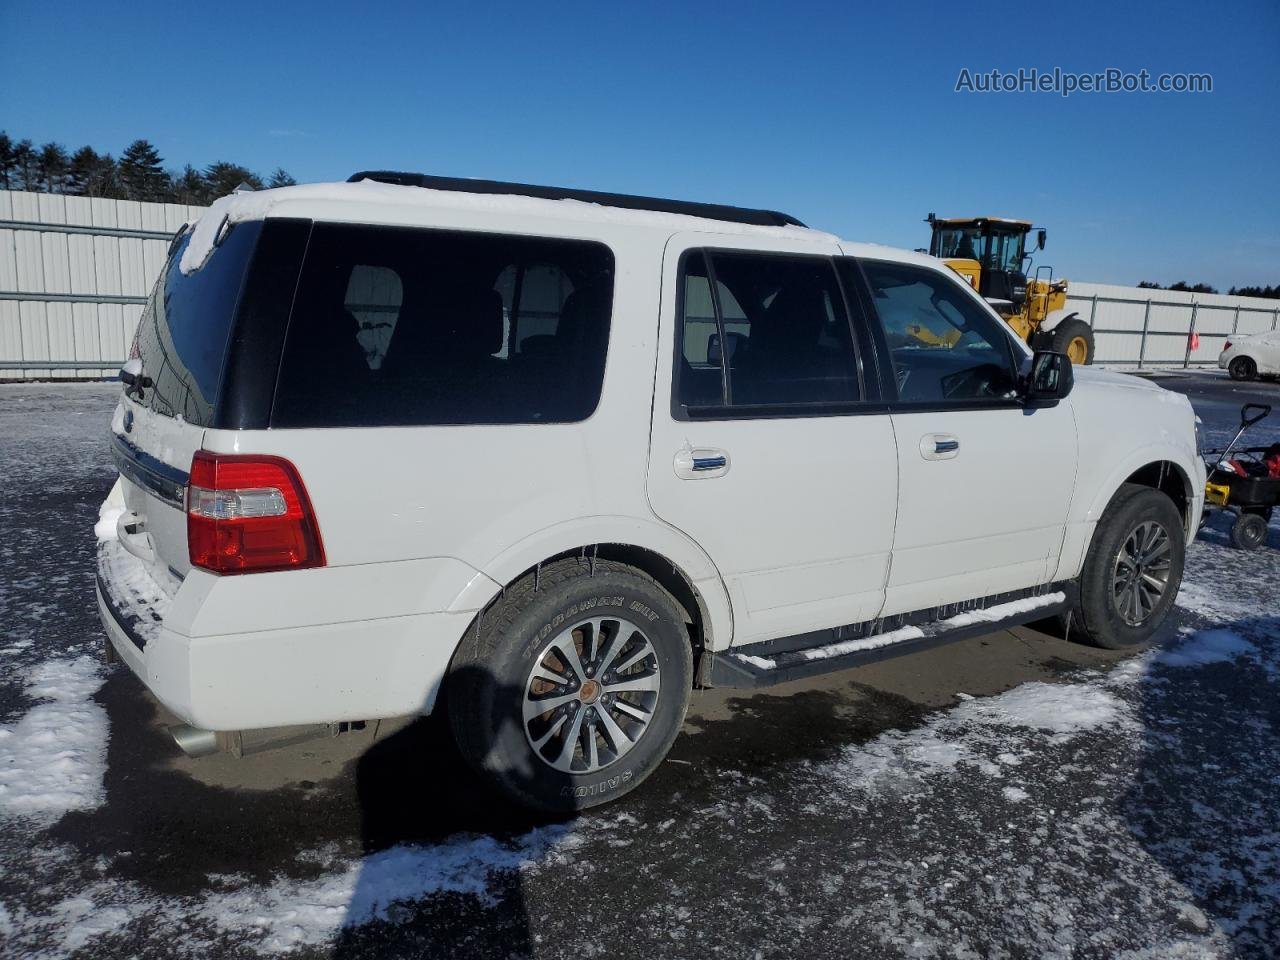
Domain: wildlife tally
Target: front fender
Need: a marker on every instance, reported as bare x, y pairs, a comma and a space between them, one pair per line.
1190, 468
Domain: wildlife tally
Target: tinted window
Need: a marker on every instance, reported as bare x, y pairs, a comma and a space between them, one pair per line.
771, 332
395, 326
185, 326
945, 347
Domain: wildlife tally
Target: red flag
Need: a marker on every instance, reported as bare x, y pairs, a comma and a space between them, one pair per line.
1195, 340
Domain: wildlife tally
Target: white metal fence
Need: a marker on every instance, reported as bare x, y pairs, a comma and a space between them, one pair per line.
1136, 327
75, 272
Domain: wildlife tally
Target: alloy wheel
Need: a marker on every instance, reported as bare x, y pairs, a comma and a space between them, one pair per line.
1140, 574
591, 695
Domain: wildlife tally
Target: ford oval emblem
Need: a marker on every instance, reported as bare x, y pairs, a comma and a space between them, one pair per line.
128, 421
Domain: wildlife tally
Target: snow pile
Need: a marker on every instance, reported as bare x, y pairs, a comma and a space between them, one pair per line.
988, 734
995, 614
1002, 611
1207, 646
105, 528
898, 762
109, 513
137, 596
292, 913
53, 759
1059, 709
866, 643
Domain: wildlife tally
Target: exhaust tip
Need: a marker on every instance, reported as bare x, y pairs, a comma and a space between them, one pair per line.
193, 741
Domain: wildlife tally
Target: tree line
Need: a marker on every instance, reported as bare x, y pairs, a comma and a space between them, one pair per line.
1271, 293
138, 174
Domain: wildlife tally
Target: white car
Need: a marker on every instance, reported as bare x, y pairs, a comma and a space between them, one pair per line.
1247, 357
550, 460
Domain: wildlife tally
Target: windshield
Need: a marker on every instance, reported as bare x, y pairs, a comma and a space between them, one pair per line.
185, 327
993, 250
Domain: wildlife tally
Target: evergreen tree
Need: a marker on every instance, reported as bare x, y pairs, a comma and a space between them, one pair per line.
53, 165
24, 157
1269, 292
223, 178
8, 164
141, 172
280, 178
108, 180
191, 187
84, 165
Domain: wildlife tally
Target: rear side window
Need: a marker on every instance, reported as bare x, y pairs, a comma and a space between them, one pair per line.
395, 326
762, 333
186, 325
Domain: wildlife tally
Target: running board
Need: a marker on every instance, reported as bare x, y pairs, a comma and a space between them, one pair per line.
777, 661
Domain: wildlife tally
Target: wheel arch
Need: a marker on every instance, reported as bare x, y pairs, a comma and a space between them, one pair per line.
677, 563
1165, 473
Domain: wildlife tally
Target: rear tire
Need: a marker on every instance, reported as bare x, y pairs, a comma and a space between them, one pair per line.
1242, 368
1074, 337
1133, 569
572, 688
1249, 532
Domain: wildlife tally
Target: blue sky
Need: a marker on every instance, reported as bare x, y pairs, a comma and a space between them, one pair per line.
843, 114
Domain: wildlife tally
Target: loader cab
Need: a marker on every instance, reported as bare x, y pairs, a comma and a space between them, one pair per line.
997, 245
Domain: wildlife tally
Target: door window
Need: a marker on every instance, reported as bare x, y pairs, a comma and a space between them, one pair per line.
761, 333
945, 347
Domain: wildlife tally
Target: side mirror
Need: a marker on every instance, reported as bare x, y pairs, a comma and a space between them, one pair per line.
1040, 238
1048, 380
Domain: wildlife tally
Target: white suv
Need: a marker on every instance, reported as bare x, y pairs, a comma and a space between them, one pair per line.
549, 460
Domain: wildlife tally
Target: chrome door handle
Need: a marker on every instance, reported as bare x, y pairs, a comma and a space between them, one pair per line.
939, 446
702, 463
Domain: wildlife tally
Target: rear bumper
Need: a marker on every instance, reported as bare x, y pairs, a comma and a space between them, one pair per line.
1222, 361
357, 670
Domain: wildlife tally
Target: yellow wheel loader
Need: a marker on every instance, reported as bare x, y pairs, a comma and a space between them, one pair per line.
990, 253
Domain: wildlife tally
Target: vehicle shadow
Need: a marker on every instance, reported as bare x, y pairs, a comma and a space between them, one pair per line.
1203, 800
431, 824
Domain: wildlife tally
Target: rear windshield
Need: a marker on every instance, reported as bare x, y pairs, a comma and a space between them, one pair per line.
394, 326
185, 326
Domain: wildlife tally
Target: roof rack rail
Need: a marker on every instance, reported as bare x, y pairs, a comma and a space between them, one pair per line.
709, 211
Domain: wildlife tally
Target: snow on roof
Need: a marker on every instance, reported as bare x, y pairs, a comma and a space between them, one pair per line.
240, 207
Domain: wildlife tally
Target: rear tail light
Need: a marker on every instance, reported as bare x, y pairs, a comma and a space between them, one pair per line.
249, 513
1226, 346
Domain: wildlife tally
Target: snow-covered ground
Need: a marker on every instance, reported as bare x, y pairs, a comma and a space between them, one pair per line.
1130, 810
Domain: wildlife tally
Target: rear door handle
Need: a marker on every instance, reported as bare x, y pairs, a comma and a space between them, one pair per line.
939, 446
702, 463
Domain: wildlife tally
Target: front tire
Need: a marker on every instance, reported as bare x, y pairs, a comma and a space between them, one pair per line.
1242, 368
1074, 337
572, 688
1133, 569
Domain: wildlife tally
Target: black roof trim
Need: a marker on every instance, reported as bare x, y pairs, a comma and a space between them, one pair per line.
709, 211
